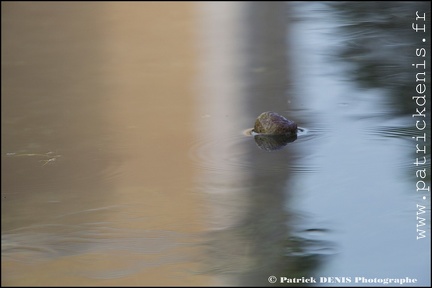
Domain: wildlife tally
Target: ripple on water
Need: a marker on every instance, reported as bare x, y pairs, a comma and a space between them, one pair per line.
301, 132
385, 132
313, 241
31, 172
239, 150
302, 163
401, 136
220, 154
97, 242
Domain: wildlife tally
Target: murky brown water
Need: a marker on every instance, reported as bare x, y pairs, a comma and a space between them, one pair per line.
106, 92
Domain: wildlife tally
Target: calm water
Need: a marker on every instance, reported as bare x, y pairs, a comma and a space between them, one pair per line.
126, 158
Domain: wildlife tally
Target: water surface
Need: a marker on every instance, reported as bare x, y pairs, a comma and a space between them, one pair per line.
125, 159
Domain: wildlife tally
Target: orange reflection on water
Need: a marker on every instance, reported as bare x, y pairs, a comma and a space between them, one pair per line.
123, 206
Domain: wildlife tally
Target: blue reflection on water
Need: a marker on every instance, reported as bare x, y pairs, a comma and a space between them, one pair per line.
362, 188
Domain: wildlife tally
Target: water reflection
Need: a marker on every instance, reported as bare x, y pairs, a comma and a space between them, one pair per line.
384, 54
252, 236
108, 93
123, 145
273, 142
362, 187
380, 48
